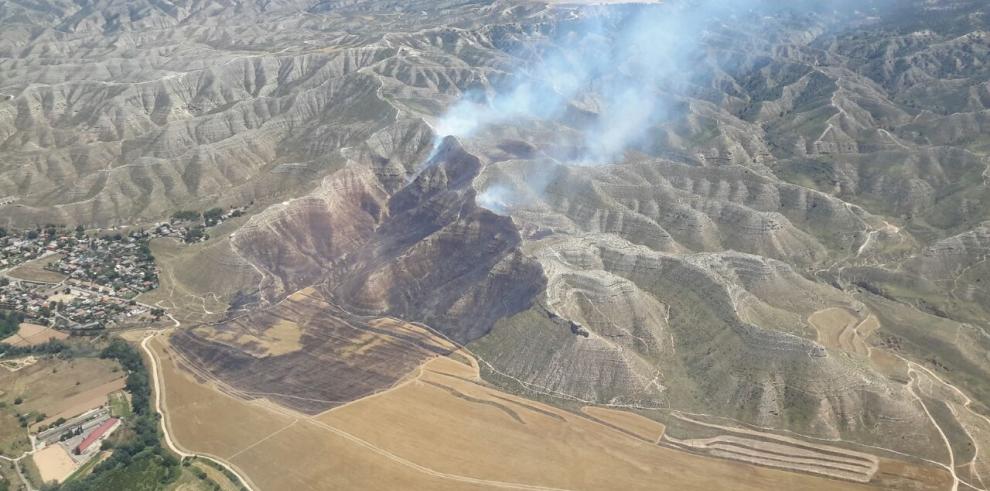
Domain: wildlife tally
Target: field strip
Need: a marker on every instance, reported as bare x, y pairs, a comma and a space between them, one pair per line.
427, 470
775, 455
341, 433
159, 407
840, 332
259, 442
782, 452
398, 385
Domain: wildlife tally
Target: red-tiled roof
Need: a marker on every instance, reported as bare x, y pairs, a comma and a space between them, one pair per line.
95, 434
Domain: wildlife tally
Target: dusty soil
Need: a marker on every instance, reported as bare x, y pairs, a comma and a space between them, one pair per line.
35, 270
63, 388
54, 463
33, 334
18, 364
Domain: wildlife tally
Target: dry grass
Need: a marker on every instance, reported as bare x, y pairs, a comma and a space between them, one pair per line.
13, 439
205, 420
454, 424
889, 364
197, 282
441, 429
33, 334
218, 477
894, 474
62, 388
9, 474
83, 401
321, 459
274, 448
35, 270
54, 463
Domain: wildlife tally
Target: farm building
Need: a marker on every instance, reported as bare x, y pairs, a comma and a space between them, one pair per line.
96, 435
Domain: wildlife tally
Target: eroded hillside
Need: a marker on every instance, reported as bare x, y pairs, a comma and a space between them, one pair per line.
790, 250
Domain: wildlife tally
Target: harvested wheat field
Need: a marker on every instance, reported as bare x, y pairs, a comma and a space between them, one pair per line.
634, 424
839, 329
29, 334
446, 419
440, 429
54, 463
272, 447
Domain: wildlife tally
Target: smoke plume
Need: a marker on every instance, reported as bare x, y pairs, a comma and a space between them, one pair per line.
625, 64
621, 61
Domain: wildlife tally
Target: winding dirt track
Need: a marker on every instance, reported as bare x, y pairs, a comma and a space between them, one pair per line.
156, 382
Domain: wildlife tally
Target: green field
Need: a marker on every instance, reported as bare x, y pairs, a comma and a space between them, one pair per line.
120, 405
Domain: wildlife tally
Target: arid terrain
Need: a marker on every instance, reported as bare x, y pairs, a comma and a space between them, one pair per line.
441, 428
531, 245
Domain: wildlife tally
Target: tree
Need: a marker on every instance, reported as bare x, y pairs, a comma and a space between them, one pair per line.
212, 216
213, 213
186, 215
194, 234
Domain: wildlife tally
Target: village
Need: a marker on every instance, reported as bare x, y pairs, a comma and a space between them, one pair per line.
60, 405
57, 412
78, 283
81, 282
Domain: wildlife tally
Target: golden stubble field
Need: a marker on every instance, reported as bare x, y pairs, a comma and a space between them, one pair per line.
441, 428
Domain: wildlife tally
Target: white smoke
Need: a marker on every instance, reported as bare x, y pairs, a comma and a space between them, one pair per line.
626, 63
624, 60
